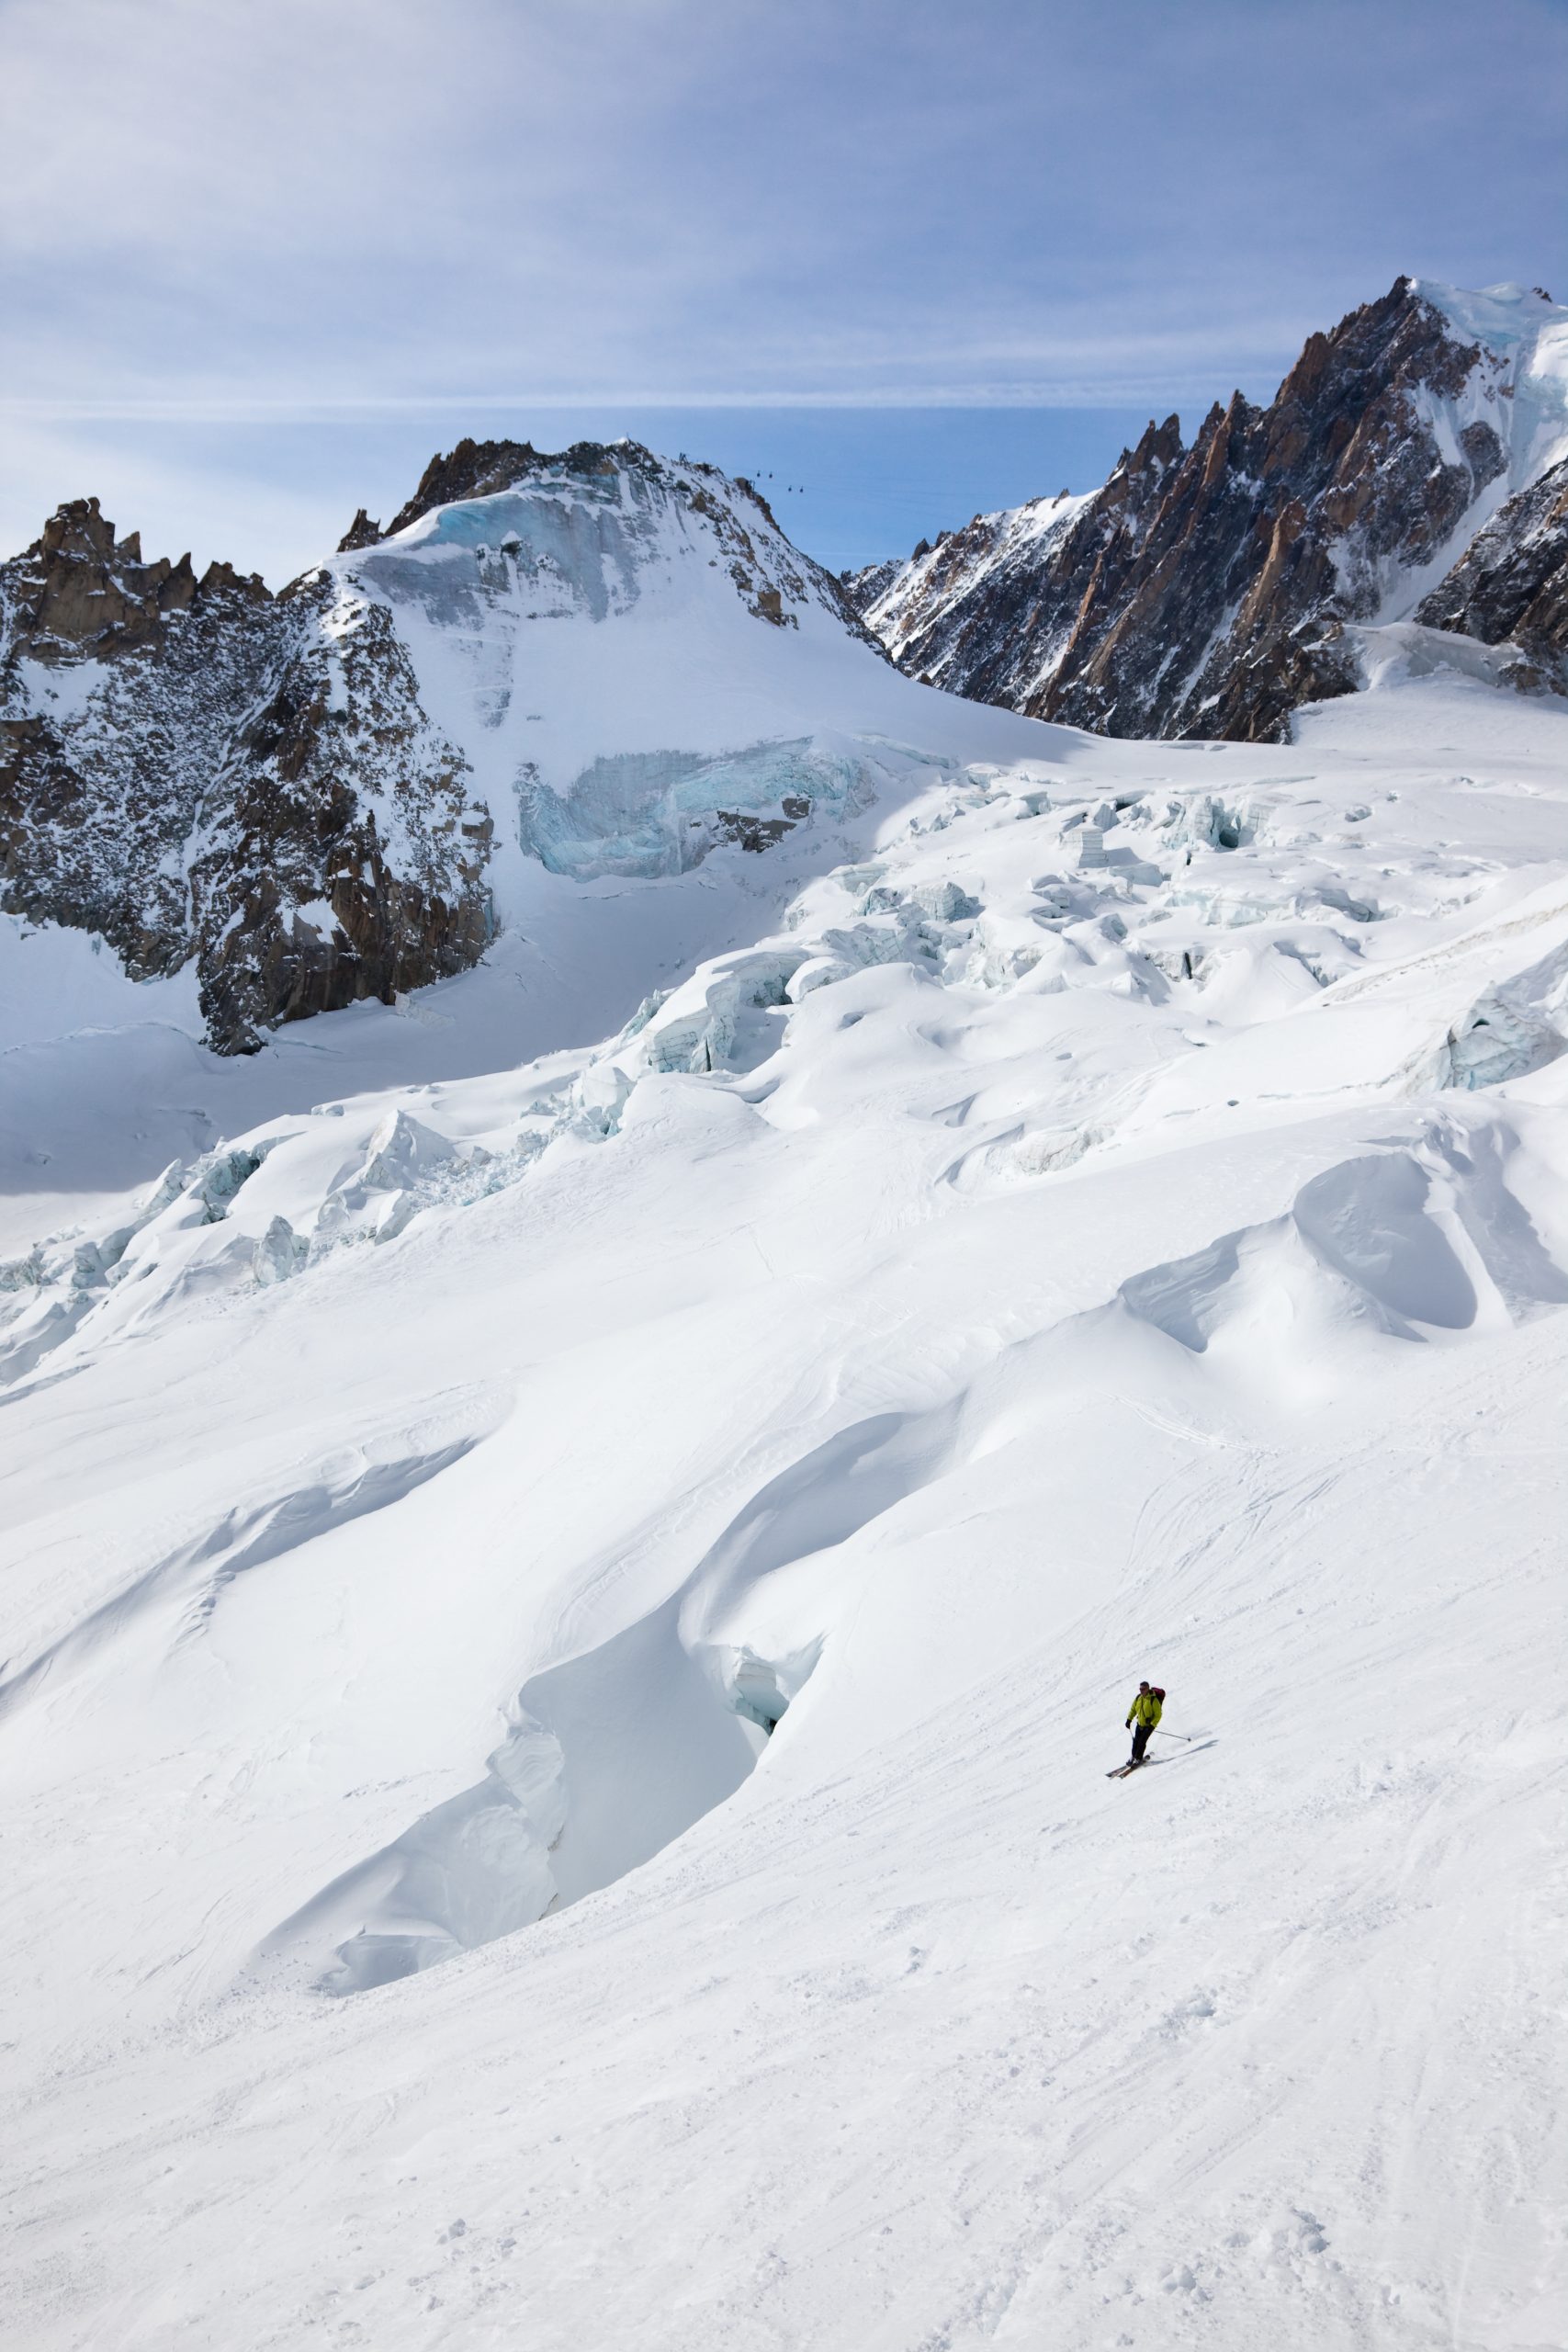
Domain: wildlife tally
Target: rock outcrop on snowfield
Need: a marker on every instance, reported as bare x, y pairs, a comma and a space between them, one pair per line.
1209, 590
305, 792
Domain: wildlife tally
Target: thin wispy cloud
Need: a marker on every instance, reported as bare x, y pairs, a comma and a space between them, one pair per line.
219, 210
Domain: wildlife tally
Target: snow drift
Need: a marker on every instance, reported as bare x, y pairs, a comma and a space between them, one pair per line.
567, 1615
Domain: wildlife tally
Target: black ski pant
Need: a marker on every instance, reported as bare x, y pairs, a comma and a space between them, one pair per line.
1140, 1740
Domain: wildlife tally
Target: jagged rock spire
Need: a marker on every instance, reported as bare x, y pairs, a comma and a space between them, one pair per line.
1206, 590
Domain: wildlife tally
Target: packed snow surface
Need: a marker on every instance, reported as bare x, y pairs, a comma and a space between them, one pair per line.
576, 1561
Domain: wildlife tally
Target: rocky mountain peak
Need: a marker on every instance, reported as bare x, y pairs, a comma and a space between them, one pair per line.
1207, 590
116, 676
262, 785
472, 469
1159, 447
361, 533
78, 593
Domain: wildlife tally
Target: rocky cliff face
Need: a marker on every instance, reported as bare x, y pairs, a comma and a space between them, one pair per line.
338, 856
1211, 589
1511, 583
196, 768
118, 682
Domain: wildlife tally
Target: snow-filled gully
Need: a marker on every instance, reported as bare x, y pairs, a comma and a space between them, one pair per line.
612, 1755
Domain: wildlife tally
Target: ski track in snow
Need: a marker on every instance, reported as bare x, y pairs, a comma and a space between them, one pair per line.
1111, 1222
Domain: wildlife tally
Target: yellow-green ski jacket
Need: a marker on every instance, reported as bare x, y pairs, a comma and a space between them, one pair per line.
1146, 1709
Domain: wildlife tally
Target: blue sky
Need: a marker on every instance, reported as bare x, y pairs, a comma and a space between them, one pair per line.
259, 261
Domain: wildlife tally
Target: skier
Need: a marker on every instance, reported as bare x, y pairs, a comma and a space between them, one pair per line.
1144, 1713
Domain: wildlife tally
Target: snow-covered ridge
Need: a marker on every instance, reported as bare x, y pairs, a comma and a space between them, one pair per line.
601, 663
936, 579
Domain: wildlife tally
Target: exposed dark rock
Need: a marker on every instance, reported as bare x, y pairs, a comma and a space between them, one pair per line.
99, 789
1205, 589
341, 858
74, 591
172, 776
750, 830
361, 533
1511, 583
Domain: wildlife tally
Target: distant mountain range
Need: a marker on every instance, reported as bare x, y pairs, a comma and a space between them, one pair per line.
1412, 469
606, 662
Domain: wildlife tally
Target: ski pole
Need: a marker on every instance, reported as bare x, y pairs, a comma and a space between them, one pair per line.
1188, 1736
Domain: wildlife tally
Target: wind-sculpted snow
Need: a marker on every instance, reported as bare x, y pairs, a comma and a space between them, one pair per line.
1393, 1242
173, 1600
569, 1615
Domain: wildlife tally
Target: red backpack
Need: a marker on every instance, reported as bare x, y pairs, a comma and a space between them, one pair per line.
1155, 1692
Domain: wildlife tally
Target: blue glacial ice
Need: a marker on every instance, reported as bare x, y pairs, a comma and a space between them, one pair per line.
649, 813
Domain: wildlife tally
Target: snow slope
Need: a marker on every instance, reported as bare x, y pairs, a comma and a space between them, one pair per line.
1526, 335
616, 660
1110, 1222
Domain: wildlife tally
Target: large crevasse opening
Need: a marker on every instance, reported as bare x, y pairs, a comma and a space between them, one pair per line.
607, 1759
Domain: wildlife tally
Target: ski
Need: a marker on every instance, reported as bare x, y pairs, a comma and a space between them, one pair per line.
1122, 1771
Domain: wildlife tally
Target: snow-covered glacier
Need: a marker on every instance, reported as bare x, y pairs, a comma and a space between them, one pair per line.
577, 1543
